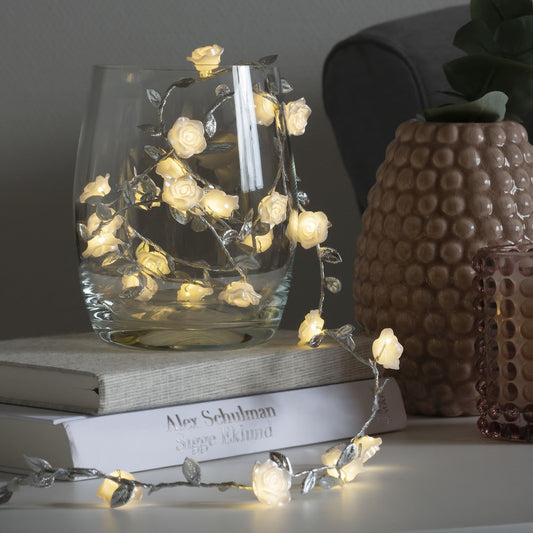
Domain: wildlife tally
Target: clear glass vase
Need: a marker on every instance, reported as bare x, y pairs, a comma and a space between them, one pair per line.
183, 188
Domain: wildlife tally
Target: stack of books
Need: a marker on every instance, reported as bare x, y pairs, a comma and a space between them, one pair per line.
78, 402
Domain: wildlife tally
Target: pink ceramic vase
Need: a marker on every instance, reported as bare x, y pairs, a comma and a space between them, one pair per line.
444, 191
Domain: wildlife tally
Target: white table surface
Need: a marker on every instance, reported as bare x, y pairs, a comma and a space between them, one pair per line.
437, 475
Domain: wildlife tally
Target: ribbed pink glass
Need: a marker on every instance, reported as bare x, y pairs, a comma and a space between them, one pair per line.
504, 278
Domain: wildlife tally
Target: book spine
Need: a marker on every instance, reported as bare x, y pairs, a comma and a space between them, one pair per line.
158, 438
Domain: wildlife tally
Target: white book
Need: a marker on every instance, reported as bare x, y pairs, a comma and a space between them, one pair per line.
156, 438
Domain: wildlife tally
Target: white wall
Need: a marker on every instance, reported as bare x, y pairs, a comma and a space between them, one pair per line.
47, 48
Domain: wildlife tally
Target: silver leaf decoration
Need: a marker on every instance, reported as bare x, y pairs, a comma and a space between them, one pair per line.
42, 479
122, 495
229, 237
198, 224
350, 343
131, 292
154, 152
268, 60
37, 464
104, 212
111, 258
247, 262
184, 82
316, 341
217, 148
222, 90
328, 482
303, 198
83, 232
5, 494
180, 216
347, 455
154, 97
210, 125
330, 255
309, 482
150, 129
281, 460
347, 329
286, 87
245, 230
191, 471
333, 285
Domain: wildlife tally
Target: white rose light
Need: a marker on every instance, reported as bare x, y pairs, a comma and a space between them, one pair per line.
101, 244
262, 242
387, 350
109, 226
170, 169
311, 326
182, 193
240, 293
108, 487
369, 446
272, 208
206, 59
133, 280
296, 116
154, 263
271, 484
308, 228
265, 109
193, 292
99, 187
187, 137
349, 471
219, 204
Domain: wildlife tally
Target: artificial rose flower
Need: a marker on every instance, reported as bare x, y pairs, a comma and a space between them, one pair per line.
154, 263
387, 350
102, 243
349, 471
311, 326
99, 187
193, 292
271, 483
187, 137
369, 446
182, 193
309, 229
296, 115
109, 226
272, 208
108, 487
292, 227
262, 242
133, 280
240, 293
219, 204
206, 58
170, 169
265, 109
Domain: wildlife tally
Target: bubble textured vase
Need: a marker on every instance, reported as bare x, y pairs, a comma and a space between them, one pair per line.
183, 186
444, 191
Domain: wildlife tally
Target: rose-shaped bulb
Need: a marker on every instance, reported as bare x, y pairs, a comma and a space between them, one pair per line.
133, 280
108, 487
109, 226
271, 483
154, 263
308, 228
265, 109
240, 293
182, 193
296, 115
349, 471
187, 137
272, 208
99, 187
102, 243
262, 242
206, 58
219, 204
311, 326
170, 169
387, 350
369, 446
193, 292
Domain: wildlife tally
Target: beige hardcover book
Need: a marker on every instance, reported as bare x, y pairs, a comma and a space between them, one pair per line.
80, 373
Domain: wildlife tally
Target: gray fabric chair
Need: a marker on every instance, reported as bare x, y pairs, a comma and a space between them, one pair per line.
382, 76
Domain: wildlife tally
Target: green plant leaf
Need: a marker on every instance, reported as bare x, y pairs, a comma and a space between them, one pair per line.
510, 9
473, 76
475, 38
488, 108
486, 11
515, 37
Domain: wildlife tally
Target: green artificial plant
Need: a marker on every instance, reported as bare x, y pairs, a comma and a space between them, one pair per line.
495, 77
